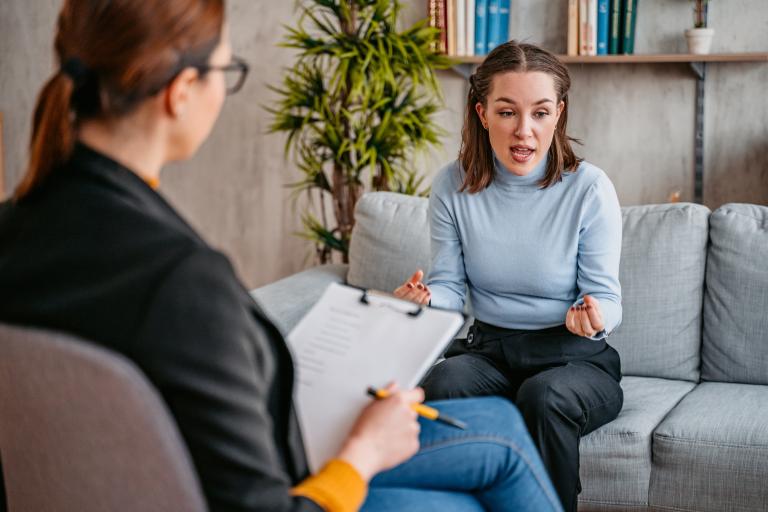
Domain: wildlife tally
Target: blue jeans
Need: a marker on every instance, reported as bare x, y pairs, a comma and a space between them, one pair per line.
493, 465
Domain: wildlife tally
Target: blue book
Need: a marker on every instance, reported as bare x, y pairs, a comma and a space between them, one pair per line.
481, 26
504, 7
494, 27
603, 15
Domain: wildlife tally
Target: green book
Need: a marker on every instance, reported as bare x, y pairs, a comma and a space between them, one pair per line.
614, 31
629, 22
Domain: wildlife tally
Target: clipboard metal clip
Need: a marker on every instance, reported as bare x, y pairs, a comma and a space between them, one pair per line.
391, 305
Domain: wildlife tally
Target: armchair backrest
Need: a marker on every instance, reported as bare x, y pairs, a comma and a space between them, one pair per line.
82, 429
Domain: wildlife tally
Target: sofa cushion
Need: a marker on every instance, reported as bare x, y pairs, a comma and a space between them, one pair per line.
390, 240
663, 259
711, 452
286, 301
735, 338
616, 458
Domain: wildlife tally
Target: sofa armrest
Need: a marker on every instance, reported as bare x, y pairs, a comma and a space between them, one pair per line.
287, 300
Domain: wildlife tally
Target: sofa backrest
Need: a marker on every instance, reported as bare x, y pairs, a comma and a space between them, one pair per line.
662, 274
663, 258
735, 337
390, 240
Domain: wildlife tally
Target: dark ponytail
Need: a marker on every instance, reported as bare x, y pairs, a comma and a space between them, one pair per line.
52, 132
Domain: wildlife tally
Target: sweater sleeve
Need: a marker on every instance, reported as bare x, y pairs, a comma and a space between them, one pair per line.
337, 487
600, 252
211, 360
447, 277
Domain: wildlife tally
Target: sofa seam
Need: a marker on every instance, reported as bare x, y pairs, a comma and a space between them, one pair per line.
684, 440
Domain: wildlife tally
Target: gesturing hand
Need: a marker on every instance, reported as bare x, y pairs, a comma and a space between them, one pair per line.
414, 290
586, 319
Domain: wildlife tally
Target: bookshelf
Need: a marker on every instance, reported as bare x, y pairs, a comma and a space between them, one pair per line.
465, 66
643, 58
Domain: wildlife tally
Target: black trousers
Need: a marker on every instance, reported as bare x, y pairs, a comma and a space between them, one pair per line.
565, 386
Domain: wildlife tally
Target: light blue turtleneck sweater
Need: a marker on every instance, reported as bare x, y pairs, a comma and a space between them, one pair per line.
526, 254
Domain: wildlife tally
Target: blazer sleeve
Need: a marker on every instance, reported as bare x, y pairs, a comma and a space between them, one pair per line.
210, 359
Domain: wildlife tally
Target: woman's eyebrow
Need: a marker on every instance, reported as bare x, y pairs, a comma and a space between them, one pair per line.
504, 99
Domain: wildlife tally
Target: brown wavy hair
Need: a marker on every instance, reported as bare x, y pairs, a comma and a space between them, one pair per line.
476, 154
112, 55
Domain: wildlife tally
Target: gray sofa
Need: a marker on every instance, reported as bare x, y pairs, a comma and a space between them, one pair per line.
693, 433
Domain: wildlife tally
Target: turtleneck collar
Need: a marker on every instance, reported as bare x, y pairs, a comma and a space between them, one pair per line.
506, 179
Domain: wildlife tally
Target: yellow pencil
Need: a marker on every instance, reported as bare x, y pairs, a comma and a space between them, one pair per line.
423, 410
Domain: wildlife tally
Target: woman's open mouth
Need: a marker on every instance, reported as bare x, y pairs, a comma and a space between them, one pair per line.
522, 154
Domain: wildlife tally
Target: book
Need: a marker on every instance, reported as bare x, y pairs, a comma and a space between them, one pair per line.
630, 21
461, 27
494, 37
614, 38
603, 17
573, 27
481, 27
587, 27
451, 26
469, 45
504, 7
349, 341
436, 16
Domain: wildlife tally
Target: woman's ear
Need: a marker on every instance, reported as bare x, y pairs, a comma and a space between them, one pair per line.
480, 109
178, 93
560, 108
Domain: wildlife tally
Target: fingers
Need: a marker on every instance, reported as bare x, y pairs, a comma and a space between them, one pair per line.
415, 395
419, 294
595, 314
586, 326
569, 324
578, 321
416, 277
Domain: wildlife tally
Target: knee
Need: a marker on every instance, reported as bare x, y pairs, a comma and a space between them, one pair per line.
451, 378
445, 380
541, 400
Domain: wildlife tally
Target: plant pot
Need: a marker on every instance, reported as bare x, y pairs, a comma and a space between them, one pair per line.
699, 40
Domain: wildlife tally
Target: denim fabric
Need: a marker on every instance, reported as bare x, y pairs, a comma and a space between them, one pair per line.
493, 465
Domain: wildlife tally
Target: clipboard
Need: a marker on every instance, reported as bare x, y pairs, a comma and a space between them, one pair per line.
352, 339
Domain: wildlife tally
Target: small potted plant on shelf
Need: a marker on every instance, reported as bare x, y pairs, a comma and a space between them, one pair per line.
699, 37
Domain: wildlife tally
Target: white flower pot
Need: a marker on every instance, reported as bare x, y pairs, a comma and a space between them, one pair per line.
699, 40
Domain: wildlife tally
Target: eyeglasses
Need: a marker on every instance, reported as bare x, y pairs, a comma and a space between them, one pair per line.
234, 73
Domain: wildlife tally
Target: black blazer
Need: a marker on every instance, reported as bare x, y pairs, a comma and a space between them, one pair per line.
97, 253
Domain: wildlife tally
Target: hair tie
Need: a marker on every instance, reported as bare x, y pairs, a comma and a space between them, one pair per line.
76, 70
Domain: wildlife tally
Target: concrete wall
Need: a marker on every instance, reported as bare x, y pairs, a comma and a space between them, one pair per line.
636, 121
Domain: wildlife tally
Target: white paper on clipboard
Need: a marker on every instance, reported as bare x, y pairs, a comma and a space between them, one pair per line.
350, 340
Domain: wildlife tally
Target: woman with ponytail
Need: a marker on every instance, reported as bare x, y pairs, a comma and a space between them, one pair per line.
532, 235
89, 246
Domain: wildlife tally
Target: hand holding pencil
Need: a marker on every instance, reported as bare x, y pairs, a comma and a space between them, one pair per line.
385, 434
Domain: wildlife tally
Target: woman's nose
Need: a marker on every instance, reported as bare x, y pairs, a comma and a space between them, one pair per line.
523, 128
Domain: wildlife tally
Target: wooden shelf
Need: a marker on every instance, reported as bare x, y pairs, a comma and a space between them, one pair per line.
645, 58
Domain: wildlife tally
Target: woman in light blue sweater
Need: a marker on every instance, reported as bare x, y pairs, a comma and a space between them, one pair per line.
531, 234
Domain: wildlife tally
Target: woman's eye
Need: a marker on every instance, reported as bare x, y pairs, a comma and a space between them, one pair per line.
541, 114
506, 113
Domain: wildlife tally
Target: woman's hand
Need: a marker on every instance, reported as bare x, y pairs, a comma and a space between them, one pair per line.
585, 320
385, 434
414, 290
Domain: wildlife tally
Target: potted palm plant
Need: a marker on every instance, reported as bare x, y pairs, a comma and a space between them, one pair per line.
699, 37
357, 104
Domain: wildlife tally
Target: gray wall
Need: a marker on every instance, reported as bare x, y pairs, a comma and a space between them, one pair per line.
636, 121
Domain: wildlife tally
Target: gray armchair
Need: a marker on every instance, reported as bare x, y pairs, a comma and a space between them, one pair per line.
81, 429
